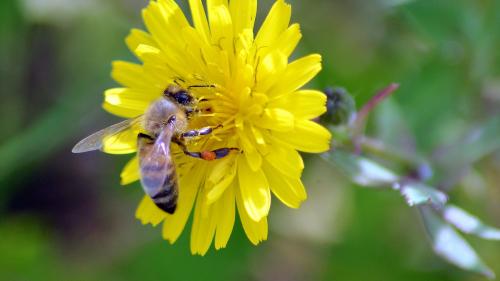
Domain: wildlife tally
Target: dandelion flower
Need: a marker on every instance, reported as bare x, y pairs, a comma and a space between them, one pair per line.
255, 95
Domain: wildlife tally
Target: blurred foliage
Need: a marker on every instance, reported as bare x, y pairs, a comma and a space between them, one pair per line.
64, 217
365, 172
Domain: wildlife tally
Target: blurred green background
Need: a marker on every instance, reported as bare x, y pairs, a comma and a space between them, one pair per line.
65, 217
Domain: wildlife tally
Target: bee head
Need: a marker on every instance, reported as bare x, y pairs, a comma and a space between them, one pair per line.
179, 95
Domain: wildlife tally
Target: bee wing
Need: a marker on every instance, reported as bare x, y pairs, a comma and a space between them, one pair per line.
155, 162
95, 141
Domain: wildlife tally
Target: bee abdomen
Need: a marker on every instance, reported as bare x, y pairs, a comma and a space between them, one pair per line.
158, 176
166, 199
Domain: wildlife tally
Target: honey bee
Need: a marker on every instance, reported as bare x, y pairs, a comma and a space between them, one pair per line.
165, 121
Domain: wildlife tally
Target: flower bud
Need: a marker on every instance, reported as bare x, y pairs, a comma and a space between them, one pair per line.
341, 107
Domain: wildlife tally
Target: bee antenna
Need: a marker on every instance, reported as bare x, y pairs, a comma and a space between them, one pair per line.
201, 86
177, 79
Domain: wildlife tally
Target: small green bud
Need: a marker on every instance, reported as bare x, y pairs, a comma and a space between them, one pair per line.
341, 107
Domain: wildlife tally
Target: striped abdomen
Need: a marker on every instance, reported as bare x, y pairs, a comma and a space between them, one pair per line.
158, 176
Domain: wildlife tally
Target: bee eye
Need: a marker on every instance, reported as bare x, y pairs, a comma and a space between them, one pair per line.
183, 98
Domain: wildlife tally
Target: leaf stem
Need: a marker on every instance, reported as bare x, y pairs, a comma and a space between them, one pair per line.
362, 115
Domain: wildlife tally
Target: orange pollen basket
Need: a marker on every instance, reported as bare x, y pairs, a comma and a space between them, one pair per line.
208, 155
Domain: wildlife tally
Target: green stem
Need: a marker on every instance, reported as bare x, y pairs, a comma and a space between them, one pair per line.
379, 149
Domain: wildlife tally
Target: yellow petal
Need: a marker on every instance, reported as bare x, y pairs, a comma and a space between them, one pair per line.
308, 136
272, 63
303, 104
204, 224
148, 53
254, 190
215, 3
147, 212
164, 19
269, 69
126, 102
259, 137
275, 23
120, 111
188, 188
130, 172
253, 157
243, 14
178, 57
166, 23
288, 40
225, 214
199, 18
297, 74
276, 119
290, 191
243, 45
286, 160
222, 176
221, 26
138, 37
173, 14
256, 231
131, 75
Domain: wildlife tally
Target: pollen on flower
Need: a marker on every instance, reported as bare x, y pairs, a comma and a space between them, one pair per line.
248, 89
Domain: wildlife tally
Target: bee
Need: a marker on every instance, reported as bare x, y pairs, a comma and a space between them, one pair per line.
165, 121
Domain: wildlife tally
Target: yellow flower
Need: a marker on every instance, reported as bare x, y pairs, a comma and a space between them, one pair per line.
255, 97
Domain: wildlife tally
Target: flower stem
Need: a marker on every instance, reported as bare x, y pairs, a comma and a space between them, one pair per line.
362, 115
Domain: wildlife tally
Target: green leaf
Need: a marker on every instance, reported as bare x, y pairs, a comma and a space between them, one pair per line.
469, 223
449, 245
360, 170
481, 141
417, 193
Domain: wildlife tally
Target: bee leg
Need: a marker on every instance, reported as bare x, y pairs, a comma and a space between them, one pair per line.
200, 132
205, 155
211, 155
144, 136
